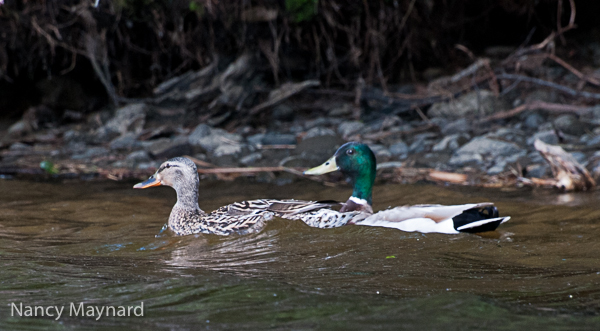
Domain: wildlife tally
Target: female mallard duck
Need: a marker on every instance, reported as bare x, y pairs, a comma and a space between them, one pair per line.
357, 162
187, 218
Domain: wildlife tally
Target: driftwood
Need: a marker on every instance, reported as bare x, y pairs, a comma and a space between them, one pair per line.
568, 174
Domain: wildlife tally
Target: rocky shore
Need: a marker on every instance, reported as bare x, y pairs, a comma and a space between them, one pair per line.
477, 138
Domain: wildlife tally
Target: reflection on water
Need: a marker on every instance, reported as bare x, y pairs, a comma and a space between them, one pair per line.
99, 243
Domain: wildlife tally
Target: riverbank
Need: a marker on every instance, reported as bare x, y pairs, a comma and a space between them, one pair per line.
450, 130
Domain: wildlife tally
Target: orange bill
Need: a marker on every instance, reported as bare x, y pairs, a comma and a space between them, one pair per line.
152, 181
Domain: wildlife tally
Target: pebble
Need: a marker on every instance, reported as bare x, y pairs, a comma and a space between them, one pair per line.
450, 143
319, 132
347, 129
399, 149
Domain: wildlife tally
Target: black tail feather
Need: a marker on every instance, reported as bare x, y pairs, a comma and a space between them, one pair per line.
477, 214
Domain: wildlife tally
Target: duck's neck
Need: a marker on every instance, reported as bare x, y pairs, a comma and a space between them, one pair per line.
187, 197
186, 213
363, 188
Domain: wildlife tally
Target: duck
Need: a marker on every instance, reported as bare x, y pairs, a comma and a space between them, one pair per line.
187, 218
357, 162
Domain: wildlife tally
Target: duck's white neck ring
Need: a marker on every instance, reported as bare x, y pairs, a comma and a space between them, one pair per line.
359, 201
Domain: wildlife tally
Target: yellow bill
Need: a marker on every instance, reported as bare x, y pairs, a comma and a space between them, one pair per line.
324, 168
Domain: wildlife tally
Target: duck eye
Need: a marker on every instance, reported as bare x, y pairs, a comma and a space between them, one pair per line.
167, 166
350, 152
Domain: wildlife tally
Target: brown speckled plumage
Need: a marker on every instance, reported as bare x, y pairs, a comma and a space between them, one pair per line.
187, 217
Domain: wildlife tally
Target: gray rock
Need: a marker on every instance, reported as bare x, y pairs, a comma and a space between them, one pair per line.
279, 139
399, 149
451, 143
480, 103
342, 110
139, 156
318, 149
432, 160
509, 134
251, 159
210, 139
421, 142
319, 132
255, 139
127, 141
593, 141
487, 146
74, 135
501, 163
346, 129
74, 147
538, 170
580, 157
296, 128
90, 153
387, 165
19, 128
546, 95
227, 149
380, 151
130, 118
570, 124
461, 160
595, 111
19, 146
533, 121
201, 131
458, 126
535, 157
283, 112
166, 148
322, 122
549, 137
149, 165
497, 168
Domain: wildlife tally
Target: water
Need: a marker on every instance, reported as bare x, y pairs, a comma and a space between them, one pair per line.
99, 243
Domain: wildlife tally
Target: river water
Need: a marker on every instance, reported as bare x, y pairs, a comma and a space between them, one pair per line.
98, 243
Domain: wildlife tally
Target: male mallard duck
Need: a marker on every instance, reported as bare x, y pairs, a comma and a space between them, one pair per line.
187, 218
357, 162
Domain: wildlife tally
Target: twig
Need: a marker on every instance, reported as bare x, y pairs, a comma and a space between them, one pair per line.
553, 107
422, 115
575, 72
542, 82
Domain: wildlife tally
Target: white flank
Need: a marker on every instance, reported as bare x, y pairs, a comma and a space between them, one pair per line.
424, 225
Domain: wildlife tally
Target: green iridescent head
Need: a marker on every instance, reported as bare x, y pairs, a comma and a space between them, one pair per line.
357, 162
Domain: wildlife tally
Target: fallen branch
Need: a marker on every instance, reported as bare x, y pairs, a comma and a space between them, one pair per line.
569, 175
551, 107
574, 71
542, 82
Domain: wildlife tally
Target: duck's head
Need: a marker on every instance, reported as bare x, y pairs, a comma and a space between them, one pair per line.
180, 173
357, 162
